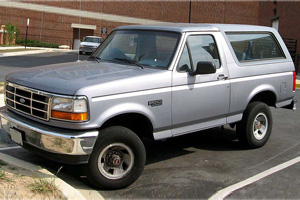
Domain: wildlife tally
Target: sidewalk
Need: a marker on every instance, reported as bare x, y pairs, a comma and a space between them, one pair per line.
36, 50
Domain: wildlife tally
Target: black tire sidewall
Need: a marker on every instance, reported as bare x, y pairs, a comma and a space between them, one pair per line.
106, 137
245, 131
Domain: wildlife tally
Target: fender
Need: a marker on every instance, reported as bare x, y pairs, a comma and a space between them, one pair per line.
125, 108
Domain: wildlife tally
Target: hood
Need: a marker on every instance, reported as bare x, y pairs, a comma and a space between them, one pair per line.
67, 78
90, 44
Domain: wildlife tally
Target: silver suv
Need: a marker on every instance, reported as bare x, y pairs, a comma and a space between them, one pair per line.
156, 82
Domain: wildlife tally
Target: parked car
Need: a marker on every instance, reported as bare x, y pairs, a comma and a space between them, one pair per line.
89, 44
151, 81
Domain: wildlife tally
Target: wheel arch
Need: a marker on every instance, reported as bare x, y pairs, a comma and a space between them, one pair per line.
265, 94
267, 97
137, 122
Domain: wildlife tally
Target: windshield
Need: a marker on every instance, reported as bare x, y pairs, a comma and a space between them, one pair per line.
90, 39
147, 48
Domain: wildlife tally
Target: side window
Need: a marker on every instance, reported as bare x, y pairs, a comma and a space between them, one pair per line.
201, 48
184, 64
254, 46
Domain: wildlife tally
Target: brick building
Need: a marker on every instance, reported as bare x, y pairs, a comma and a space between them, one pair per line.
63, 22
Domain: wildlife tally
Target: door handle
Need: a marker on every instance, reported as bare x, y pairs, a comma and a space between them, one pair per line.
222, 77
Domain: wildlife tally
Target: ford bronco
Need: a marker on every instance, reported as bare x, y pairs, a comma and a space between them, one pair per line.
149, 81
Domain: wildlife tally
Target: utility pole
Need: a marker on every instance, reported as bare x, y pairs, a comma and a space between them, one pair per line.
190, 11
26, 32
79, 32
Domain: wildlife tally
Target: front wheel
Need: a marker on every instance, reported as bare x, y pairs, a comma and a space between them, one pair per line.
118, 159
256, 126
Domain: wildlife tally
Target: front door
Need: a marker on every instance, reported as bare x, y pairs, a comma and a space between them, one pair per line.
199, 101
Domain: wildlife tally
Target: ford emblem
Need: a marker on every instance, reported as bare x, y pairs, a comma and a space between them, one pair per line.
22, 100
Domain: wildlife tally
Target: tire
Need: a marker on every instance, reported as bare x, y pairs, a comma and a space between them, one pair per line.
117, 160
256, 126
80, 52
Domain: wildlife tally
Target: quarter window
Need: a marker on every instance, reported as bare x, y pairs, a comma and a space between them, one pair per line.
184, 62
254, 46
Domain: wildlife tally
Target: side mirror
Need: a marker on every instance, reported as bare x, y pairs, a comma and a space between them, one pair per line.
204, 67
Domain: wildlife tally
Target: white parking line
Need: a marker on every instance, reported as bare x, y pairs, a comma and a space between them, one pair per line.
8, 148
227, 191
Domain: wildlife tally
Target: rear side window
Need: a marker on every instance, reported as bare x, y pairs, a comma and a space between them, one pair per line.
254, 46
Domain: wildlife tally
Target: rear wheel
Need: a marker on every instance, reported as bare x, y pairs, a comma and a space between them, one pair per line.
256, 126
118, 159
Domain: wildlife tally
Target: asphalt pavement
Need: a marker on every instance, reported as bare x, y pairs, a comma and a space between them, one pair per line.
197, 165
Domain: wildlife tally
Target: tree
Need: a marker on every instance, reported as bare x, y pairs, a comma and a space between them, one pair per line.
10, 30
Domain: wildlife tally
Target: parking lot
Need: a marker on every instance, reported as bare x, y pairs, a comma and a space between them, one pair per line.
197, 165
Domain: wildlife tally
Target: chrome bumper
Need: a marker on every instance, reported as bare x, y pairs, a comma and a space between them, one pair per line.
47, 138
87, 49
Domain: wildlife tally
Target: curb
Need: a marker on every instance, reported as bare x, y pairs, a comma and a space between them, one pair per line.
2, 100
68, 191
298, 84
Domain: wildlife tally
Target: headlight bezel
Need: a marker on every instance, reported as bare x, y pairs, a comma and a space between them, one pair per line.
73, 99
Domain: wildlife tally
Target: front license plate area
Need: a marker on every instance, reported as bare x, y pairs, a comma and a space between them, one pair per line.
16, 136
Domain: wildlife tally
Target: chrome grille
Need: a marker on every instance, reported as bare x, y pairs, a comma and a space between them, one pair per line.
28, 101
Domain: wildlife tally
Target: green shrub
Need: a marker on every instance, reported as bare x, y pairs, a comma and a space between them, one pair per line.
36, 43
10, 31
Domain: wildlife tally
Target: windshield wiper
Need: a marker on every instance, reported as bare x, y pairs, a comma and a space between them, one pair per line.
95, 58
130, 62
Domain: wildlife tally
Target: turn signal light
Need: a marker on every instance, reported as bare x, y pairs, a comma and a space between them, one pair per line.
69, 116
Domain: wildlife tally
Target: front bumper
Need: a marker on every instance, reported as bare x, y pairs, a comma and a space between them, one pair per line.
49, 141
87, 49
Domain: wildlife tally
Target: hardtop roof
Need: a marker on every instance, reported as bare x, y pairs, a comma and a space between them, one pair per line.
188, 27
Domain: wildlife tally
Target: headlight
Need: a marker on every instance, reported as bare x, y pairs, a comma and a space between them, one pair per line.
69, 109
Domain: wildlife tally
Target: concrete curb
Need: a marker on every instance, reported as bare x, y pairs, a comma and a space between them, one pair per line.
2, 100
68, 191
298, 84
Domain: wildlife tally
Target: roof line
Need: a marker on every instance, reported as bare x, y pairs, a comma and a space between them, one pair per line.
77, 13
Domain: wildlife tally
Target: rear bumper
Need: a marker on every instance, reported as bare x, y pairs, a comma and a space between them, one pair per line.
63, 145
292, 106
